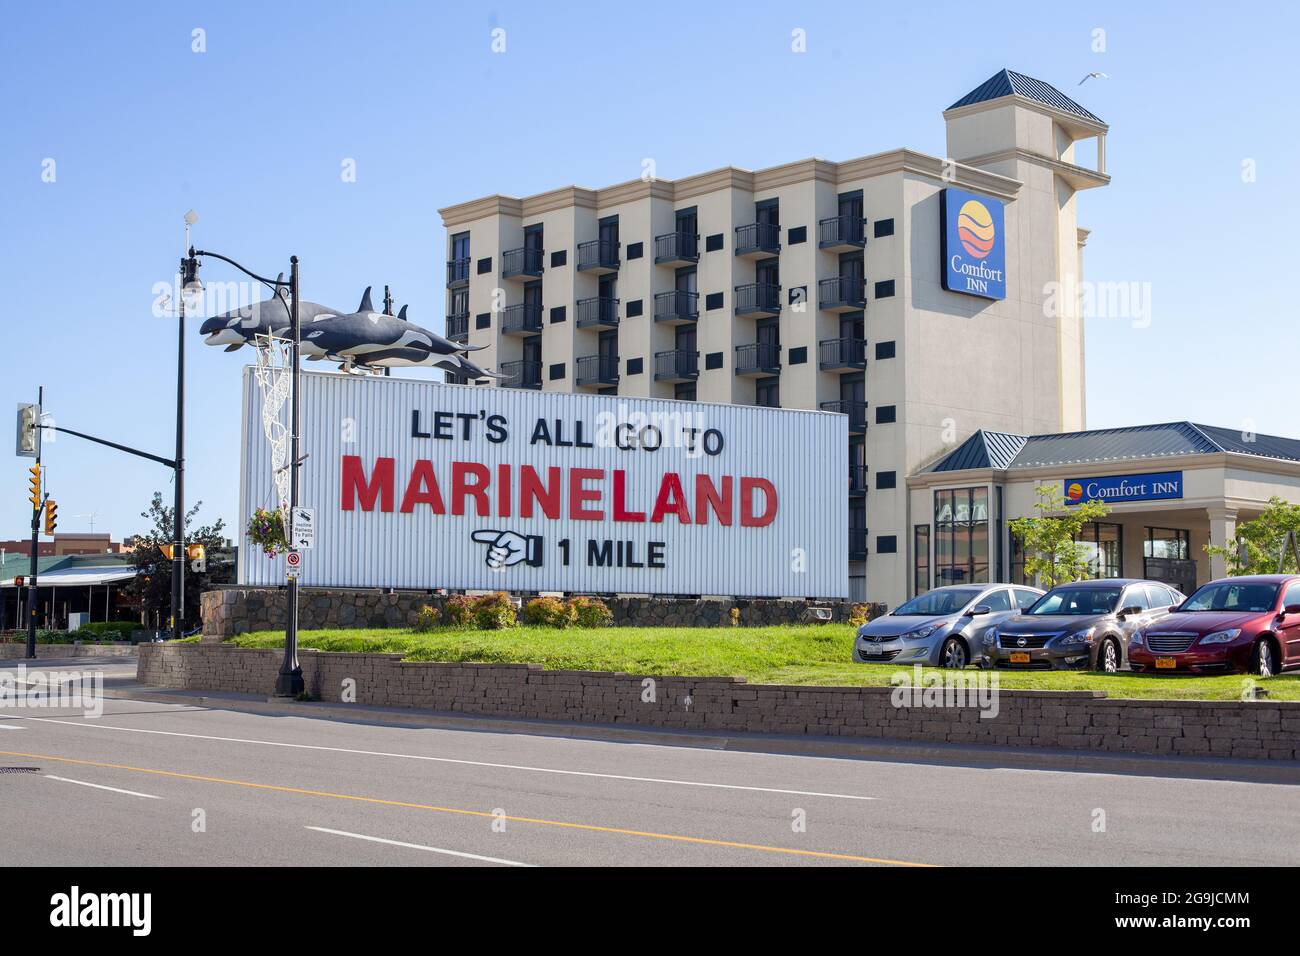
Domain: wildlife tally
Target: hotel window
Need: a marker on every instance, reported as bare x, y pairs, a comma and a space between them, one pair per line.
1104, 546
1018, 575
767, 392
920, 559
1171, 543
961, 536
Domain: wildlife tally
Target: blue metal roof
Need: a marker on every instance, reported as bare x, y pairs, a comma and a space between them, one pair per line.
1010, 83
1005, 451
984, 449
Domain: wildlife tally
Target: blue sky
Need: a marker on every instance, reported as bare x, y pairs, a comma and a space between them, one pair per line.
252, 134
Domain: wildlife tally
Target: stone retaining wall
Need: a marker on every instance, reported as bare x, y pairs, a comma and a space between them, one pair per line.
237, 610
12, 651
1073, 720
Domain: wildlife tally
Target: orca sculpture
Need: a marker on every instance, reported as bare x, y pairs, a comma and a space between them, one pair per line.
238, 328
358, 341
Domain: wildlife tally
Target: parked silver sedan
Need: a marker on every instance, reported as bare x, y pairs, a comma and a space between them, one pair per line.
941, 627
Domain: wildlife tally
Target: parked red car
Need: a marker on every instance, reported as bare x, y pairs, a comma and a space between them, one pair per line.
1236, 624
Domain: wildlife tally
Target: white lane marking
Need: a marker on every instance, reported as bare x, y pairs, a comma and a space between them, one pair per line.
418, 846
5, 725
454, 760
100, 786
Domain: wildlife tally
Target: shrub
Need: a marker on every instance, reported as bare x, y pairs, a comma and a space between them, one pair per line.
550, 612
426, 619
494, 612
590, 612
105, 631
734, 613
858, 615
459, 610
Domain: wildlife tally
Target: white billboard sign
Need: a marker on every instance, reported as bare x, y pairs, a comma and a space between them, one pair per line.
418, 484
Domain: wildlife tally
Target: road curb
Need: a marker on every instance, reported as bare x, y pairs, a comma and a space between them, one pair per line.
859, 748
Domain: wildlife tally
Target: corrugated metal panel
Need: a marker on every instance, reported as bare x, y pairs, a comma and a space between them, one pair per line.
1006, 82
1244, 443
803, 453
1003, 448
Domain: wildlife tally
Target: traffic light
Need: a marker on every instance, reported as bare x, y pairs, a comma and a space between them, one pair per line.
51, 516
168, 550
34, 483
195, 552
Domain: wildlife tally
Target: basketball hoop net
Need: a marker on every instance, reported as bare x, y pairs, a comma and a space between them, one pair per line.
274, 380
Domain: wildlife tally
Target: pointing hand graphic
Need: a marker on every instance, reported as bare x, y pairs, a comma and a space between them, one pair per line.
506, 548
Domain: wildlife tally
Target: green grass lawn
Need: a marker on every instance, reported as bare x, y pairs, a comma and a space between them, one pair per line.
812, 654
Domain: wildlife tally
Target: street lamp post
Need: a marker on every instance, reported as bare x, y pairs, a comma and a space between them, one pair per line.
288, 682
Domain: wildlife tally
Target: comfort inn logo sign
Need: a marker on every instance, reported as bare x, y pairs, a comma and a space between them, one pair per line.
974, 244
1149, 487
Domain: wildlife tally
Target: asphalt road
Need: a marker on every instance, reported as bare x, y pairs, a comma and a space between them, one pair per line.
167, 785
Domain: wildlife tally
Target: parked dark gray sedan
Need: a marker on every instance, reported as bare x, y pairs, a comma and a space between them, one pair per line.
941, 627
1079, 625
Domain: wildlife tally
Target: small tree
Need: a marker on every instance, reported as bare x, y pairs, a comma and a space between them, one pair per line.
1052, 555
153, 580
1262, 541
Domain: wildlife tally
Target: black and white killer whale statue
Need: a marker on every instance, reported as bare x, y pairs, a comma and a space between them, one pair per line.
370, 339
240, 327
356, 340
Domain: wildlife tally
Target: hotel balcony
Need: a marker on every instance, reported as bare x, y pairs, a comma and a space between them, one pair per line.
857, 412
842, 294
857, 544
677, 249
842, 233
857, 480
759, 300
458, 327
598, 256
596, 370
677, 365
522, 374
842, 355
758, 240
522, 319
524, 263
457, 273
598, 312
758, 358
676, 307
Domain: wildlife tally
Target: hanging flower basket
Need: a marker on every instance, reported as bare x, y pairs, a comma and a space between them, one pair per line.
266, 530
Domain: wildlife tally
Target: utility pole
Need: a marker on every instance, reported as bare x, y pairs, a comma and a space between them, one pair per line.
38, 506
289, 681
388, 310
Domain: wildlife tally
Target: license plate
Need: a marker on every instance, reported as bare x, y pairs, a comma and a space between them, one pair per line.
872, 650
1020, 657
1166, 663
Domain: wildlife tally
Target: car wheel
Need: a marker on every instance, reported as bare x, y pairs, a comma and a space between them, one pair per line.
1108, 657
954, 653
1261, 661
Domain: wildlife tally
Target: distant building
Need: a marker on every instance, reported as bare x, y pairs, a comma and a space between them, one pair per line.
65, 544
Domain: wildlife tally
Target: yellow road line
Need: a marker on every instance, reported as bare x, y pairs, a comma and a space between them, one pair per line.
469, 813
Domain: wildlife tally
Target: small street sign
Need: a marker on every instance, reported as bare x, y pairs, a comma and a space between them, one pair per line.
303, 529
293, 560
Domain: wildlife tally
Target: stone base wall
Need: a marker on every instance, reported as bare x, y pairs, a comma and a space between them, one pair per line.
1072, 720
57, 651
230, 611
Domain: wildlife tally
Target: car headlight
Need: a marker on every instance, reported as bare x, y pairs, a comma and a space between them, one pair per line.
1136, 639
1221, 637
990, 637
921, 632
1080, 637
